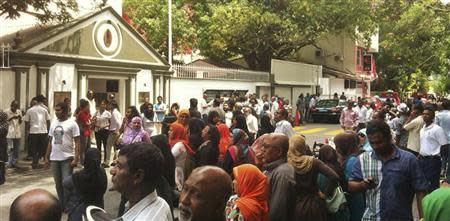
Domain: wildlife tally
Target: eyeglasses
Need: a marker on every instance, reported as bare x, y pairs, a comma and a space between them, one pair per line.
361, 135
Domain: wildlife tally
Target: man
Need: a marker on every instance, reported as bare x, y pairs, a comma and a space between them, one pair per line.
160, 111
280, 176
390, 176
307, 112
193, 112
204, 105
312, 103
252, 122
92, 105
205, 194
443, 120
216, 107
348, 117
413, 125
396, 124
138, 169
301, 107
361, 111
62, 156
36, 119
14, 132
343, 97
274, 104
432, 140
35, 205
282, 125
114, 131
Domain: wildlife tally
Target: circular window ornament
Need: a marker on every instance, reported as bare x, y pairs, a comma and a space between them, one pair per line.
107, 38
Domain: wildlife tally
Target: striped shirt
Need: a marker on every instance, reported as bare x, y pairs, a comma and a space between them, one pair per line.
150, 208
397, 181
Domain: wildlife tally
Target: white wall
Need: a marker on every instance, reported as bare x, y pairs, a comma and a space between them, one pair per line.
7, 88
287, 72
181, 90
33, 83
57, 74
143, 84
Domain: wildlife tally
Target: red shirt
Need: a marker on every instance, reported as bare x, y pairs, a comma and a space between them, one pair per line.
83, 118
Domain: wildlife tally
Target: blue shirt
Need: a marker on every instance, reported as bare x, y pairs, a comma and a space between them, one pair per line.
443, 120
397, 180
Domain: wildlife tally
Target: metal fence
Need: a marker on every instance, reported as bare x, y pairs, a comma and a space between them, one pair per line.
5, 49
199, 72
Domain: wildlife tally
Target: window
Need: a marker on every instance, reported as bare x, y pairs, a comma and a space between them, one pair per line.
358, 56
349, 84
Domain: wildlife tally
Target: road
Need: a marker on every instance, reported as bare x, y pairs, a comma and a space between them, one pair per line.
23, 179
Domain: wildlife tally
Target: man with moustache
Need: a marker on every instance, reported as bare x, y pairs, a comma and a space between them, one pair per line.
205, 194
389, 176
135, 175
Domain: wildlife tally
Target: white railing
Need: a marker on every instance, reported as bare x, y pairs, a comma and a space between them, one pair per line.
5, 49
199, 72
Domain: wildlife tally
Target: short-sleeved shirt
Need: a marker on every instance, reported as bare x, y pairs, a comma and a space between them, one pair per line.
14, 130
62, 133
413, 129
443, 120
397, 180
37, 116
285, 128
150, 208
103, 119
432, 137
159, 115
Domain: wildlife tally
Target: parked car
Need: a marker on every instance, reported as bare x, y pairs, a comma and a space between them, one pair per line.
328, 110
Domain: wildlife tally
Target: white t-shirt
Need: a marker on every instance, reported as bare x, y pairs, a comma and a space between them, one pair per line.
431, 140
204, 105
37, 116
13, 125
116, 120
103, 119
62, 134
179, 153
285, 128
252, 123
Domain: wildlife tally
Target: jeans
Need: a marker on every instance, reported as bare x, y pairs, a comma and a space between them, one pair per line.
431, 168
13, 146
61, 170
38, 144
101, 137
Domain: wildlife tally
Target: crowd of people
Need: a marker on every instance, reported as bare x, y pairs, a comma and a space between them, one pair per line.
234, 158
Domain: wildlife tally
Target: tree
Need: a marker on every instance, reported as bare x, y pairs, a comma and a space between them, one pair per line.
262, 30
414, 44
151, 17
45, 11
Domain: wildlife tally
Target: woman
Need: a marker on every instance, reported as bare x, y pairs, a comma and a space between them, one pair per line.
310, 203
86, 187
148, 117
183, 118
364, 140
250, 201
83, 118
180, 151
135, 133
162, 143
208, 151
257, 150
102, 120
240, 122
265, 126
129, 115
174, 108
225, 140
238, 153
328, 155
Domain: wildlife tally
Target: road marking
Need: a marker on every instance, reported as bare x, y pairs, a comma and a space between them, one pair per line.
298, 128
311, 131
334, 132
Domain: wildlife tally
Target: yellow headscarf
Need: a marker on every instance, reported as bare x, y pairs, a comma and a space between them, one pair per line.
182, 111
297, 155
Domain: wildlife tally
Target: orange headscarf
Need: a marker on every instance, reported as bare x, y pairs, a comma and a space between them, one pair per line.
182, 111
252, 188
224, 141
179, 135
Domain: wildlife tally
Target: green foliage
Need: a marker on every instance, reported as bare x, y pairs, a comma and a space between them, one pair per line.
414, 44
45, 11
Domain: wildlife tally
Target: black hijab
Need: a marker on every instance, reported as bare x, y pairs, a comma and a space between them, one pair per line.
162, 143
91, 182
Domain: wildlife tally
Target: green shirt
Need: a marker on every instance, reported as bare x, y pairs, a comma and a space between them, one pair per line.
436, 205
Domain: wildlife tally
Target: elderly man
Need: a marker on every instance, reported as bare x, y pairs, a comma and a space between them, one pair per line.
280, 177
389, 176
205, 194
35, 205
282, 125
137, 171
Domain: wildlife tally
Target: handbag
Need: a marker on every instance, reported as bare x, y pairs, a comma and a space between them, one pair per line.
335, 201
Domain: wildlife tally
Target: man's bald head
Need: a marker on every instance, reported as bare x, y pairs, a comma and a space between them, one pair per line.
275, 146
35, 205
205, 194
346, 142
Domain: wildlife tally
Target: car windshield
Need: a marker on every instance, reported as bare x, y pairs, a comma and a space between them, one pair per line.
327, 103
343, 103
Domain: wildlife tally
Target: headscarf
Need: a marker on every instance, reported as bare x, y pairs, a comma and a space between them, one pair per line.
297, 155
91, 182
182, 111
3, 123
257, 149
252, 188
435, 205
265, 123
366, 145
240, 140
179, 135
328, 155
133, 135
224, 141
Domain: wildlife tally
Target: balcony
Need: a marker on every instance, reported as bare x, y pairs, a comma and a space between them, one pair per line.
215, 73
